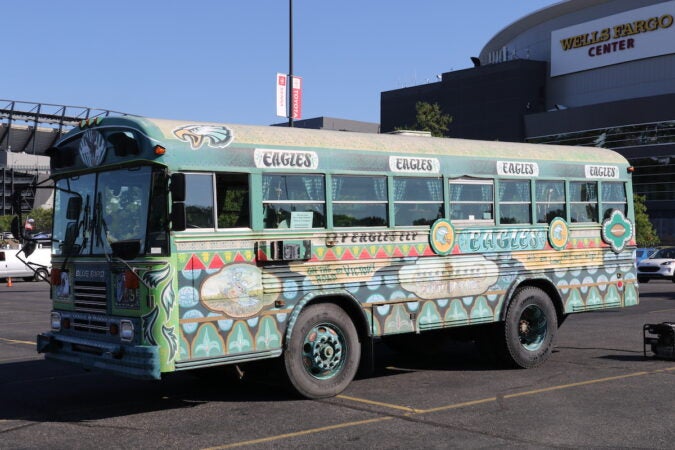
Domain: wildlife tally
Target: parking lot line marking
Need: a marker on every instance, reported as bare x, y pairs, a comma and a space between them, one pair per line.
661, 311
458, 405
376, 403
301, 433
412, 411
22, 359
580, 383
14, 341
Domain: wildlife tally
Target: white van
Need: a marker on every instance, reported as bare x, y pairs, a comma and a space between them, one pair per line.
40, 260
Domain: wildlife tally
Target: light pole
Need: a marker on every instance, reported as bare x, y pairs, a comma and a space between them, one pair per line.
290, 63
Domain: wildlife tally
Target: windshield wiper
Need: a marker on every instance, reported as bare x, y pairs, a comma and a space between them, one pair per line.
99, 226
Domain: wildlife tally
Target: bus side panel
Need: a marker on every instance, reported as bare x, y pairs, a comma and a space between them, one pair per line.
231, 304
223, 312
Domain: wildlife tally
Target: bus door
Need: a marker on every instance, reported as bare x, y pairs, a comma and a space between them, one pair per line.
220, 285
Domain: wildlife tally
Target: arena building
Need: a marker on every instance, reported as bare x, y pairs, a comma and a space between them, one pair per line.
580, 72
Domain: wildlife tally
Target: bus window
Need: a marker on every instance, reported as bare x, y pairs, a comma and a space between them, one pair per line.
514, 202
584, 201
613, 197
472, 200
233, 204
359, 201
199, 200
550, 197
417, 201
294, 201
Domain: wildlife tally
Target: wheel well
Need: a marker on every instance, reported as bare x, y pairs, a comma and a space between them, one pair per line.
550, 290
352, 308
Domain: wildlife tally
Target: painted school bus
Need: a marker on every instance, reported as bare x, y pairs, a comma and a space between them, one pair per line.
181, 245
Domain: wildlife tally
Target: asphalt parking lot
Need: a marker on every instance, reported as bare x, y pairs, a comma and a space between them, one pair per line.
597, 390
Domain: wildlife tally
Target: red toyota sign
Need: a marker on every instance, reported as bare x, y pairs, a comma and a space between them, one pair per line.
296, 92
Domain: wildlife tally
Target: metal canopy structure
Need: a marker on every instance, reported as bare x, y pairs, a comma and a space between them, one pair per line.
34, 127
27, 131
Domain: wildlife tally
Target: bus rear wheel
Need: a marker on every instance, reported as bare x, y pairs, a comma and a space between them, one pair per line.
529, 328
323, 352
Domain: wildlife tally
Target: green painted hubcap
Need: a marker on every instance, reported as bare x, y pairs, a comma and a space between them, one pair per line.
532, 328
324, 351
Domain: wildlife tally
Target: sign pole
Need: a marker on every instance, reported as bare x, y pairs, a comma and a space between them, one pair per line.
290, 63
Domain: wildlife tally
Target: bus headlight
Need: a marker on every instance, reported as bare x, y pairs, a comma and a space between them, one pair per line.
126, 330
56, 321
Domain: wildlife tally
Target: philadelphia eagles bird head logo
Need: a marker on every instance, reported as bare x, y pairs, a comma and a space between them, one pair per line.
215, 136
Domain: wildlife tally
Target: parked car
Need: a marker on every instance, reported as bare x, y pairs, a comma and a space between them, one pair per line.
12, 266
644, 252
660, 265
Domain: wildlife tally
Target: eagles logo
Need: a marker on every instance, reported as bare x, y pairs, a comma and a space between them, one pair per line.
198, 135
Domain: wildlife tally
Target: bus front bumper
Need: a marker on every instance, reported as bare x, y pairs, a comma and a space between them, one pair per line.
133, 361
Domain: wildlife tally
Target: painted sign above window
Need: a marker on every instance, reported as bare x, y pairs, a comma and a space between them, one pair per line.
628, 36
601, 171
267, 158
518, 168
414, 165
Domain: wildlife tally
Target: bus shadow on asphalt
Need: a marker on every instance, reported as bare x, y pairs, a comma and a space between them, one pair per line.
451, 356
46, 391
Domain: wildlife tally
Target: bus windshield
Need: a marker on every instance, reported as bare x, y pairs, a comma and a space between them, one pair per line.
95, 210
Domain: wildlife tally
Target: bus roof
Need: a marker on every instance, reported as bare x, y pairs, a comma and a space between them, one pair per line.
269, 136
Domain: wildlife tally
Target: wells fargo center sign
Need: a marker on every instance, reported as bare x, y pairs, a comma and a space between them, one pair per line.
628, 36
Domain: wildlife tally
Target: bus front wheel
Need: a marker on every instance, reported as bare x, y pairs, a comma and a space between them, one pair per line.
529, 328
323, 353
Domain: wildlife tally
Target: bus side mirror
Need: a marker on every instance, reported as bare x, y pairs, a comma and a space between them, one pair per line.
68, 246
178, 219
178, 187
74, 207
29, 247
16, 228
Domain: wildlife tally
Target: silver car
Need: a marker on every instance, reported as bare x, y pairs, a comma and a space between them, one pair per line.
660, 265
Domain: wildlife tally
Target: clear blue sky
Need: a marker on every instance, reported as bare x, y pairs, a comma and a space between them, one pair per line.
216, 60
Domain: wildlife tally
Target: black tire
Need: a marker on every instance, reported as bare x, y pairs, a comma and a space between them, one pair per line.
529, 329
323, 352
643, 280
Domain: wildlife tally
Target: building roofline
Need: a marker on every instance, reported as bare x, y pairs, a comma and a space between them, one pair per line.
508, 33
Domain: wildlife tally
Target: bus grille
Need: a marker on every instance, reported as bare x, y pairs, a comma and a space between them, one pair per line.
90, 325
90, 296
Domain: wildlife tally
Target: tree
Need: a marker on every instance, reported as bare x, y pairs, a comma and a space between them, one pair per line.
42, 220
431, 118
645, 235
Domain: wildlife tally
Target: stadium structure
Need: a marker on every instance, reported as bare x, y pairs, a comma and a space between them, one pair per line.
27, 130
